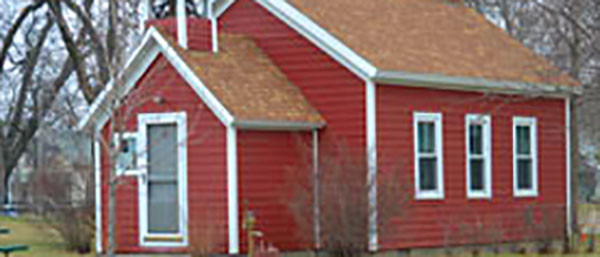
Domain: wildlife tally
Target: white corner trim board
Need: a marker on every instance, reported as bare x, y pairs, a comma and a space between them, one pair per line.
232, 191
371, 153
98, 193
568, 127
144, 120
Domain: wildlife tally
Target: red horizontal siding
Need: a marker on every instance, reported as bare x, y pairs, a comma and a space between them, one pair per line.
207, 197
456, 219
267, 165
331, 88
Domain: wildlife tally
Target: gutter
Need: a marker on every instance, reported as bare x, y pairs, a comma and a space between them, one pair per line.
473, 84
277, 125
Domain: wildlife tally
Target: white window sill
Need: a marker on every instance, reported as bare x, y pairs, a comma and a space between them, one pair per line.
128, 173
429, 196
479, 195
525, 193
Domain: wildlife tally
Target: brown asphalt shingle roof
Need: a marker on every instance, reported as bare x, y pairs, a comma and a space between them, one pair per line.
431, 37
247, 83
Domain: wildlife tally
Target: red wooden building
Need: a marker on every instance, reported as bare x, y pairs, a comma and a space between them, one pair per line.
211, 109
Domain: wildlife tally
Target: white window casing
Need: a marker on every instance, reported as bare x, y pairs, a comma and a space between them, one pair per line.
147, 239
435, 154
483, 155
531, 156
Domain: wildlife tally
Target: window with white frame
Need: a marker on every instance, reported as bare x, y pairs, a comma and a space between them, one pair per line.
126, 161
525, 175
479, 167
429, 180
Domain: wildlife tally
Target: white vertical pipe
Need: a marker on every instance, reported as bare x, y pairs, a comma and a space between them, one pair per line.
372, 163
568, 127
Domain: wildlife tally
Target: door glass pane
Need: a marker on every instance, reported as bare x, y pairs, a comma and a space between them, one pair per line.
426, 137
523, 140
476, 139
524, 174
477, 174
427, 174
163, 208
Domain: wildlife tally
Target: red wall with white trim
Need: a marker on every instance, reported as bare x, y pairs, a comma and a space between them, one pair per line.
456, 219
206, 146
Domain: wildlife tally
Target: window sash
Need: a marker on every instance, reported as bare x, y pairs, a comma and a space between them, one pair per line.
428, 148
478, 148
525, 173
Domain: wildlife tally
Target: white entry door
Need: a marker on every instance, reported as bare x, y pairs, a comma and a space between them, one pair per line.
162, 182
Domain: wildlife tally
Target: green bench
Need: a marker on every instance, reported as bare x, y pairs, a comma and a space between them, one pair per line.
8, 249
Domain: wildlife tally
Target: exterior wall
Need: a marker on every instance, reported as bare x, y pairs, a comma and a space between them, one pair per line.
332, 89
206, 185
455, 219
270, 166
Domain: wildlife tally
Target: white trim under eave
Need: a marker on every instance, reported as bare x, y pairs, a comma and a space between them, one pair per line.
232, 191
98, 193
320, 37
438, 81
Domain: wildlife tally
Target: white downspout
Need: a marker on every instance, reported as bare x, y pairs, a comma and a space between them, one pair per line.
232, 190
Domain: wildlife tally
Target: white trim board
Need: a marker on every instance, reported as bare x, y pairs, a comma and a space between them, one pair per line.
436, 119
232, 191
568, 127
485, 121
180, 119
530, 122
371, 104
98, 193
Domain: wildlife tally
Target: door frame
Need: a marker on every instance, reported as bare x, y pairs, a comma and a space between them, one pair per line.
148, 239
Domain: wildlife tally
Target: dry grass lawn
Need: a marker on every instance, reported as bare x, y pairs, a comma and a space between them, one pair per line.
42, 240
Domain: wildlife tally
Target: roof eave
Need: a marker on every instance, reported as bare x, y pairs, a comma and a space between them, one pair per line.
266, 125
474, 84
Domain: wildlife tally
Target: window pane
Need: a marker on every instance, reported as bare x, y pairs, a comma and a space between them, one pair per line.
477, 175
427, 174
426, 136
476, 139
523, 140
524, 174
162, 151
163, 208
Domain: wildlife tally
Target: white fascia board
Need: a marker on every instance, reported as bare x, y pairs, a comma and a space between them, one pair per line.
320, 37
153, 43
473, 84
